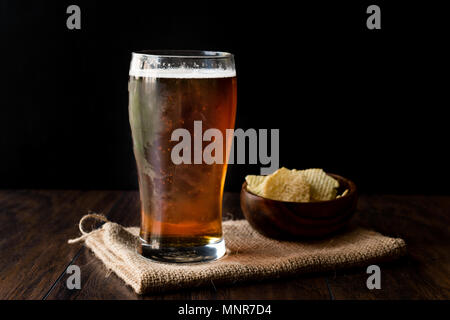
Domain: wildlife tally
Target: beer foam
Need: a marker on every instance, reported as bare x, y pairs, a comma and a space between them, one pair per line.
182, 73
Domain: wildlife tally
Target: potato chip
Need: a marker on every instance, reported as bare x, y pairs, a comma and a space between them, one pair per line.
286, 185
254, 180
254, 183
343, 194
323, 187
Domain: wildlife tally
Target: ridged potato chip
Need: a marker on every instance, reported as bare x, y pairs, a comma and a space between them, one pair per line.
323, 187
286, 185
254, 184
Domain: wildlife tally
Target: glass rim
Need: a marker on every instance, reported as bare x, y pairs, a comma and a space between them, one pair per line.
183, 54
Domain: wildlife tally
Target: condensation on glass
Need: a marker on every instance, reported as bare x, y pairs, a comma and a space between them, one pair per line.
181, 205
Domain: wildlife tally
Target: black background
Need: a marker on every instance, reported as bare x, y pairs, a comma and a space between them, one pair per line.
366, 104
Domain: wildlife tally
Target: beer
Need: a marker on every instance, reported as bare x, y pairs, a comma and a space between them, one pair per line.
181, 204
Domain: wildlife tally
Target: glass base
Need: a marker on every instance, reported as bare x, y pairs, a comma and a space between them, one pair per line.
208, 252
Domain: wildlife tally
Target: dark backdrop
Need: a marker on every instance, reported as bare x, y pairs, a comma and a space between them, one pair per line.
365, 104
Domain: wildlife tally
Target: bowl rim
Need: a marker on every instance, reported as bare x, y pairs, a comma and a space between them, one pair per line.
351, 192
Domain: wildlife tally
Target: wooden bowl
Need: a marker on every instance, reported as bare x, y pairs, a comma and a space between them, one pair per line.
296, 220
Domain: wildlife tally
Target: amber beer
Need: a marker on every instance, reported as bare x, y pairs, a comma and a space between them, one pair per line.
181, 204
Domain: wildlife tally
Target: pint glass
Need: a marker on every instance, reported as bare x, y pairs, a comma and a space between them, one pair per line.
181, 201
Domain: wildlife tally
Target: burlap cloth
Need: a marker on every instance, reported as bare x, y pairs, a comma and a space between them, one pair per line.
250, 256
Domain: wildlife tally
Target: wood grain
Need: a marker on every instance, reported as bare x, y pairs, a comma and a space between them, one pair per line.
423, 222
36, 224
98, 283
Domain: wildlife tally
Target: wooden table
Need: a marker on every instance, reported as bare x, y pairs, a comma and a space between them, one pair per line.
34, 254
